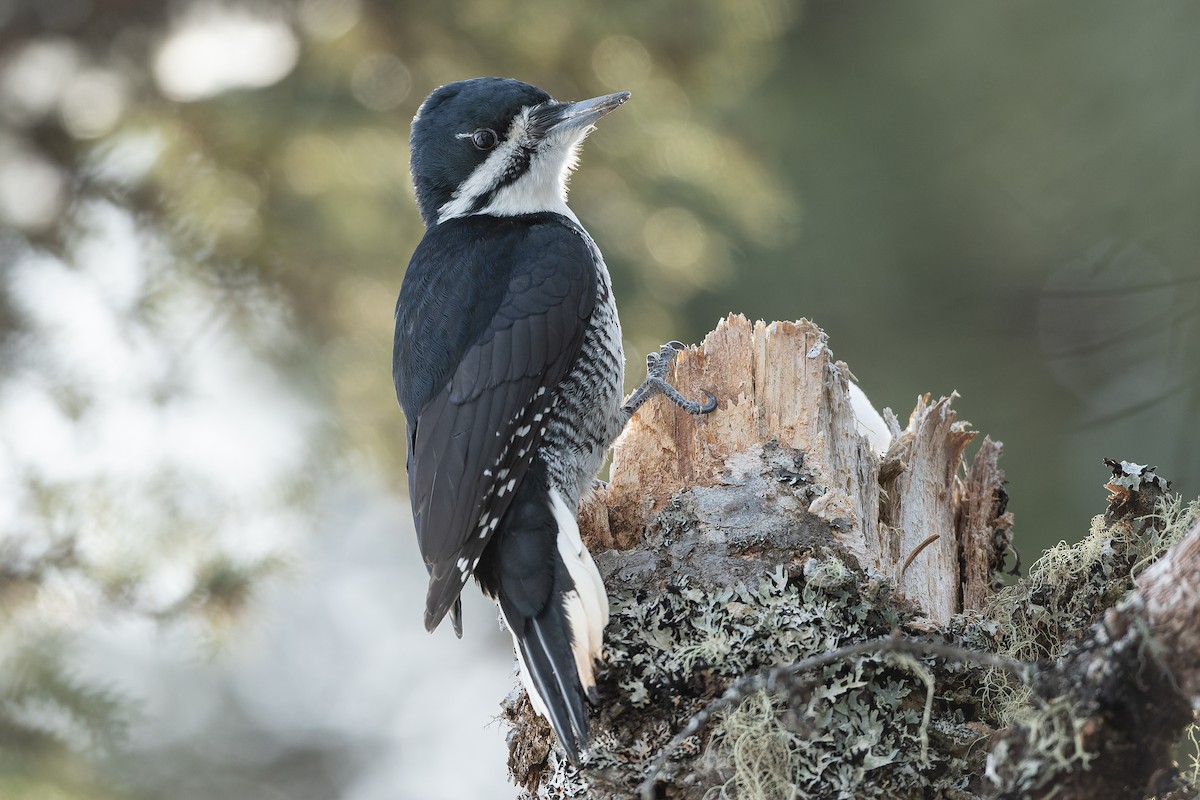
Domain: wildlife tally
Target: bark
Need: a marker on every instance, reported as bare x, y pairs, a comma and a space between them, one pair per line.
770, 532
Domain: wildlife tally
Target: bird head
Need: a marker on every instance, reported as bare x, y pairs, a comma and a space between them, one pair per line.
498, 146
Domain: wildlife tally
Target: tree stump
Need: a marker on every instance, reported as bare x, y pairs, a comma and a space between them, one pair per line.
773, 529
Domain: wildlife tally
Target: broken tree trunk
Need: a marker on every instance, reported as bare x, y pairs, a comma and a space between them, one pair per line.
773, 530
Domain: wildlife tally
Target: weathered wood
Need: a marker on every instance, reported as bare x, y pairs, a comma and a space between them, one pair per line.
922, 504
983, 524
773, 382
779, 382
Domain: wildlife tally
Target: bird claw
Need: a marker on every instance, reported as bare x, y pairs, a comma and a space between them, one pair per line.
657, 365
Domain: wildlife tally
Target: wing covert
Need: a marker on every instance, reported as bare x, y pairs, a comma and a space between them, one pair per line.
471, 440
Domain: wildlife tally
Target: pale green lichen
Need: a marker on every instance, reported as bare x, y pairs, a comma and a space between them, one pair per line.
1052, 734
892, 726
856, 720
1044, 616
760, 748
1190, 773
867, 717
1070, 585
664, 641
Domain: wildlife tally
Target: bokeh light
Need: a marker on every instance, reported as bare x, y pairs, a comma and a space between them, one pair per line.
214, 50
380, 81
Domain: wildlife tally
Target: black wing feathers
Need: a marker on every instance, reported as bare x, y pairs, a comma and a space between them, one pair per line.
490, 319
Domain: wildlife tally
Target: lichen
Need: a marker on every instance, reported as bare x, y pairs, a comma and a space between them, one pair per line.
859, 719
1051, 614
707, 600
671, 651
1189, 770
1051, 743
1071, 585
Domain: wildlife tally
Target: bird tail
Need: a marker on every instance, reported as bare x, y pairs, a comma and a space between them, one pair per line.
553, 602
548, 670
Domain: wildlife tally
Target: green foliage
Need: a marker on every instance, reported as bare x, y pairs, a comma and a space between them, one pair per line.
45, 707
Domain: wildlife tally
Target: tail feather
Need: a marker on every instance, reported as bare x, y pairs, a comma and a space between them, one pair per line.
443, 597
550, 665
547, 671
534, 567
456, 617
586, 604
544, 644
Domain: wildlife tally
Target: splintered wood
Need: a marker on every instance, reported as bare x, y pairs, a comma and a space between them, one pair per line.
907, 514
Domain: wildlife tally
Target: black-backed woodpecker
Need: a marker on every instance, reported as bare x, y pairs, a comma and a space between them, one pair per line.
509, 368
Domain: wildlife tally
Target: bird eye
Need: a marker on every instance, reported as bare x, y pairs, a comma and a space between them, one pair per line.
484, 139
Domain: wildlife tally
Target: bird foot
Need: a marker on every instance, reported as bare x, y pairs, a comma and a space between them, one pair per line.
657, 365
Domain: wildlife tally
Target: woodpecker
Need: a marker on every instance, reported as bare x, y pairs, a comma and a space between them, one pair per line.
509, 368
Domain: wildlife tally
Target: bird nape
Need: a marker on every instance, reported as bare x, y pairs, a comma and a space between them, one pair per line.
508, 365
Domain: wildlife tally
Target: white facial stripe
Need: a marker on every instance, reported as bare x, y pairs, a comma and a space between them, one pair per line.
542, 187
487, 174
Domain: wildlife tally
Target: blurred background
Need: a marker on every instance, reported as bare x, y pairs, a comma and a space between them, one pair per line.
208, 581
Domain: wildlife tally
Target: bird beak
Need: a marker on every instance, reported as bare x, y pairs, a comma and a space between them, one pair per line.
562, 117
